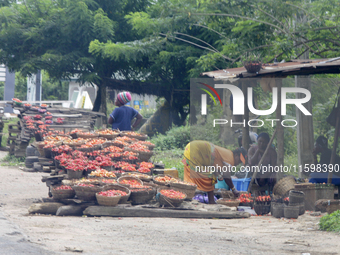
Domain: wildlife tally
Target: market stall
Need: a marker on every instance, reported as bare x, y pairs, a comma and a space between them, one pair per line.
93, 170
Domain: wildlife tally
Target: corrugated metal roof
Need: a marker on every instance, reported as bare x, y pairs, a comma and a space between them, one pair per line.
295, 67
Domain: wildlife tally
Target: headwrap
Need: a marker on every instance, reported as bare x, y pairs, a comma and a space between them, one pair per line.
264, 135
322, 141
124, 97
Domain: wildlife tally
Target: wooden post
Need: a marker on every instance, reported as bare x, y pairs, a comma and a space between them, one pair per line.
279, 129
335, 144
261, 160
245, 129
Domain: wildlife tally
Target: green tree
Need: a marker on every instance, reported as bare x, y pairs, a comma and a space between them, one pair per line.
55, 36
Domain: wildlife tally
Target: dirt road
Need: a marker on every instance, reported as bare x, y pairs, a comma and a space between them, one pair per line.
105, 235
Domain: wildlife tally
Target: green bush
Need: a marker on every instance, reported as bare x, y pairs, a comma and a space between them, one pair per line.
175, 138
331, 222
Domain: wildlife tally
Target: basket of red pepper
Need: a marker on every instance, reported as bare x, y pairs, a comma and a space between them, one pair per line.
87, 192
171, 197
62, 192
134, 135
246, 200
109, 197
130, 182
144, 154
142, 195
262, 205
124, 198
186, 187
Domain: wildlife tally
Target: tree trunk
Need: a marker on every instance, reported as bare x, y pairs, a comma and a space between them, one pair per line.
98, 101
103, 107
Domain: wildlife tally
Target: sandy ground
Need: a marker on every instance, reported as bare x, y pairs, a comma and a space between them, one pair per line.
106, 235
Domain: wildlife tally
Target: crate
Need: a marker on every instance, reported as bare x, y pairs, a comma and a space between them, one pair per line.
241, 184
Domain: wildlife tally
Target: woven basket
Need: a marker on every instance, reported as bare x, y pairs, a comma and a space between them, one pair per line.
232, 203
142, 156
142, 197
109, 168
113, 143
151, 147
89, 149
261, 209
74, 135
291, 212
107, 201
128, 178
50, 137
38, 137
108, 137
144, 177
296, 197
161, 183
277, 210
187, 189
123, 199
48, 152
145, 156
87, 136
252, 67
87, 193
284, 185
300, 205
74, 144
62, 194
74, 174
172, 202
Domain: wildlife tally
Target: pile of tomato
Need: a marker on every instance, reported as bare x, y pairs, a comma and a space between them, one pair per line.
126, 139
17, 100
112, 193
102, 173
163, 179
139, 147
63, 187
172, 194
131, 183
113, 149
245, 198
107, 132
109, 181
62, 149
144, 170
85, 185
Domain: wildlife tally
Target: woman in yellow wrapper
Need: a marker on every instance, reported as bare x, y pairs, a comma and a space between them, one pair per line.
205, 162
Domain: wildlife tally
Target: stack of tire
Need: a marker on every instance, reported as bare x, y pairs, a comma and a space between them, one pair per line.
32, 156
296, 205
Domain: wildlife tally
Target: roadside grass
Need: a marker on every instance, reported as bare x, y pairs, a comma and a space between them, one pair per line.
5, 129
11, 160
170, 158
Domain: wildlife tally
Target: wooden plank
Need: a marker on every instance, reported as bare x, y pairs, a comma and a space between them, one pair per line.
166, 213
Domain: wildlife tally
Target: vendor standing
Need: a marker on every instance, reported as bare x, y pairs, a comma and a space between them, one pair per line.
320, 170
201, 161
255, 153
122, 116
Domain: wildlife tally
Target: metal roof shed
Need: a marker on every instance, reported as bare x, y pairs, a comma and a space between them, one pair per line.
300, 67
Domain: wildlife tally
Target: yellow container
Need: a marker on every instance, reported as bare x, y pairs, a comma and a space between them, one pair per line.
172, 172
